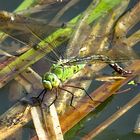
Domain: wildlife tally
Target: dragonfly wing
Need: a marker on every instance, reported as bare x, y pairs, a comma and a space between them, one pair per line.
123, 54
102, 38
74, 45
97, 41
82, 29
77, 40
18, 26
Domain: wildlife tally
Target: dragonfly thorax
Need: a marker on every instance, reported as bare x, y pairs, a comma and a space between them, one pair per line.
66, 71
58, 74
50, 81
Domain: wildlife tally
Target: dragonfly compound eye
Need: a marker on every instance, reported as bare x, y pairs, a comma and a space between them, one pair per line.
54, 80
47, 84
50, 80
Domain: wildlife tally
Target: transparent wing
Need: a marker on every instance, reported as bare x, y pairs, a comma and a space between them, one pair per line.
20, 23
82, 30
99, 41
79, 35
37, 18
17, 27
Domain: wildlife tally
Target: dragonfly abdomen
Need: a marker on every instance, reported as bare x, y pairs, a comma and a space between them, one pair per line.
96, 57
103, 58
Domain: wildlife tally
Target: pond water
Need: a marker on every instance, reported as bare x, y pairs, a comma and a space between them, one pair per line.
122, 129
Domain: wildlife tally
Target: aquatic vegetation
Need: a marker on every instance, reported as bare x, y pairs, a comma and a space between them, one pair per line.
91, 35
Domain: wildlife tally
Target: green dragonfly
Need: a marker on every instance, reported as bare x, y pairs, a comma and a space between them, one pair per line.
64, 69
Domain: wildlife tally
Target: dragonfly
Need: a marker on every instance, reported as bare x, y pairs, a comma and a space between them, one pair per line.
64, 69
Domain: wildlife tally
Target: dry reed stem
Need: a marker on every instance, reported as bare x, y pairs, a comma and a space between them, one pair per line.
38, 123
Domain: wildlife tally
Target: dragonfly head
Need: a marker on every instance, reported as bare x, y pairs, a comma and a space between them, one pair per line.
50, 80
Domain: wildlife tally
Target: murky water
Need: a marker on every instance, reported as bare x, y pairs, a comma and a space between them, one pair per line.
122, 129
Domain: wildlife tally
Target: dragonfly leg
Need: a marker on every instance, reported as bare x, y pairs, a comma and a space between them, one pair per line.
84, 91
44, 93
41, 93
37, 100
72, 96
